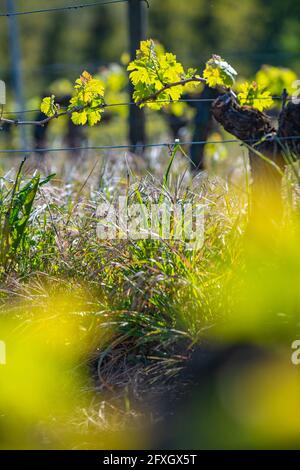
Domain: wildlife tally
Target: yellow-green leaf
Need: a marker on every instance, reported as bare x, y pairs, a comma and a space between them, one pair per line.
154, 70
94, 116
219, 73
252, 94
48, 106
79, 118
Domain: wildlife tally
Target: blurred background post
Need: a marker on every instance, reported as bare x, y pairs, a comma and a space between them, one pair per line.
137, 32
16, 67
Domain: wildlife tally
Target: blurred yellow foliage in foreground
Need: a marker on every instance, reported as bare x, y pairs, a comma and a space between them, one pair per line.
45, 385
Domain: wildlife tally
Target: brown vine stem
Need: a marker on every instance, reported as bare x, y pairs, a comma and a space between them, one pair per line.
152, 97
171, 85
45, 121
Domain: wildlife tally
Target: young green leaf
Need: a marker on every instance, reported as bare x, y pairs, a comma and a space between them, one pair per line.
94, 116
87, 104
79, 118
219, 73
253, 95
48, 106
156, 73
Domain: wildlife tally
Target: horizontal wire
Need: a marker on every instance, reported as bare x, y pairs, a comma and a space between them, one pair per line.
25, 111
59, 9
130, 103
124, 147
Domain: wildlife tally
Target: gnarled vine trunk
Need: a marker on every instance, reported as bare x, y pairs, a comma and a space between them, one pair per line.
251, 126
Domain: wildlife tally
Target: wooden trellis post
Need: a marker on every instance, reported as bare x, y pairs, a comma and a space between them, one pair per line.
15, 50
137, 32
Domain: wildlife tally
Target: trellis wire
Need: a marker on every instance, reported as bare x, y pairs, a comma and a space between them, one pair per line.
142, 146
130, 103
65, 8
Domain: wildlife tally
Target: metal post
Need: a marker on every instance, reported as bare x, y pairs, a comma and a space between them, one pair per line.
137, 32
15, 52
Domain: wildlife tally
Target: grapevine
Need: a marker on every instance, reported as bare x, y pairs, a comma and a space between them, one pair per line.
159, 80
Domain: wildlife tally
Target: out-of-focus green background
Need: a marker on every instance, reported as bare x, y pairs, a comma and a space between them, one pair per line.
247, 33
